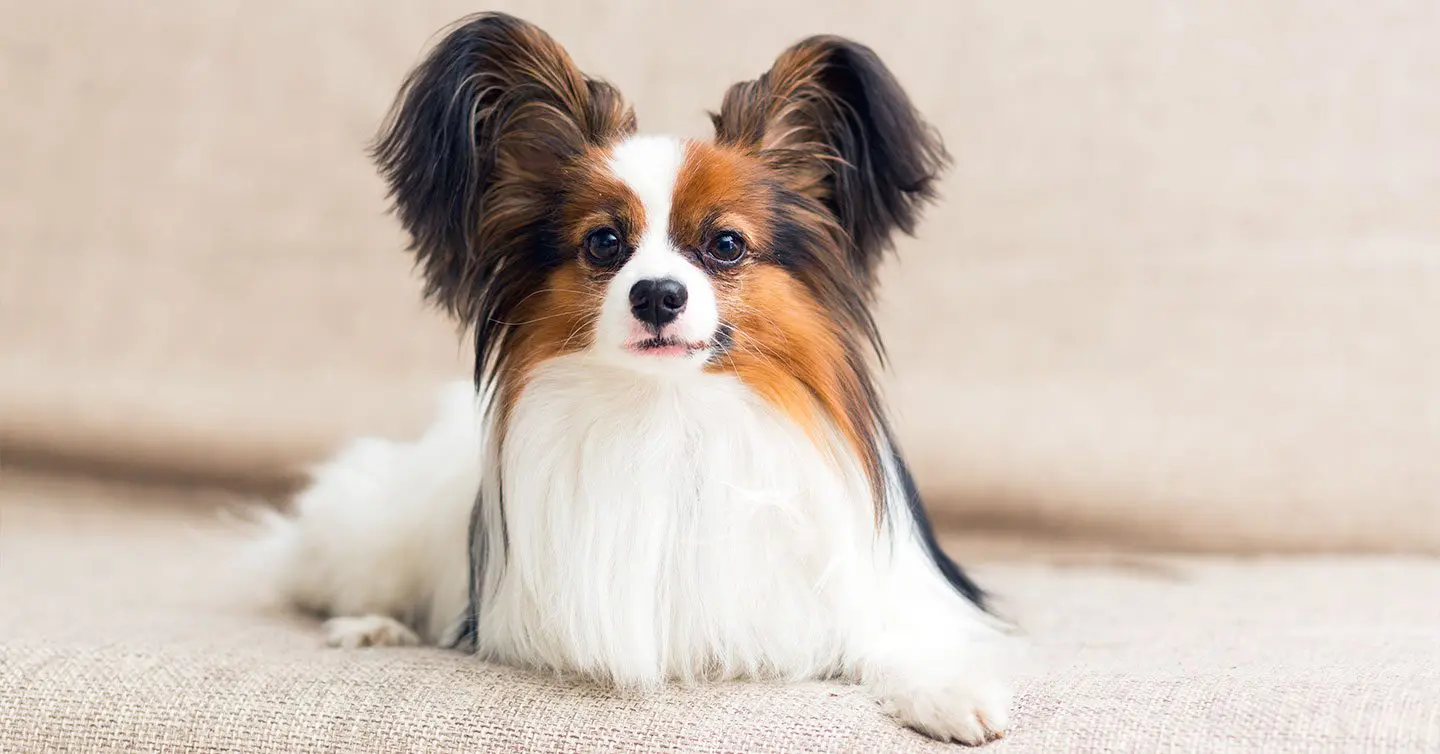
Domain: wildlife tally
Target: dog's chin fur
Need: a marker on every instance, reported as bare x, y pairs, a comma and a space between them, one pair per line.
736, 508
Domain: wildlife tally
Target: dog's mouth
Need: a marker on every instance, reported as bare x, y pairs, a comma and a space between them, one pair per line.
667, 347
672, 347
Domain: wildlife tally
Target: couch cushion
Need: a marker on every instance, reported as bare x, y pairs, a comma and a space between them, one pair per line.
126, 624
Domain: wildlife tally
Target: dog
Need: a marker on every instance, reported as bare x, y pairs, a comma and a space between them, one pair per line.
673, 464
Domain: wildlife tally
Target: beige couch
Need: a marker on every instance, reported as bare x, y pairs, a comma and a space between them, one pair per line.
1167, 358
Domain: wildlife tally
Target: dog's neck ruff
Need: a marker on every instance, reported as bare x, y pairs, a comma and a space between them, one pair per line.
644, 527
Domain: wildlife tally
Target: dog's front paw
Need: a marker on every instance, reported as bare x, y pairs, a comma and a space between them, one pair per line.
970, 712
368, 631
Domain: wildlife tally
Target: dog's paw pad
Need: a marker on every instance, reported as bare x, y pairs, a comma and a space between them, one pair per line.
968, 714
368, 631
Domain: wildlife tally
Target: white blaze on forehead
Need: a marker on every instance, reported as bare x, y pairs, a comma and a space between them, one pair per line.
648, 165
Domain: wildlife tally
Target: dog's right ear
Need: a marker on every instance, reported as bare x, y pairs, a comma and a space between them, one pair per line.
472, 147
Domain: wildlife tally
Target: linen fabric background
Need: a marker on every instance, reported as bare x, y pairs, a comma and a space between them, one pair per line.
1182, 290
1181, 293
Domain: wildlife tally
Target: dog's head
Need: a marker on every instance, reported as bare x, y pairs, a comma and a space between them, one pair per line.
544, 223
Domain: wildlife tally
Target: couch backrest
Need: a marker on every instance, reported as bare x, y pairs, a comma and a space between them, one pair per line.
1183, 289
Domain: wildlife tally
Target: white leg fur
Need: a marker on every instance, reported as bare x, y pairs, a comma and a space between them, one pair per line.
934, 660
658, 530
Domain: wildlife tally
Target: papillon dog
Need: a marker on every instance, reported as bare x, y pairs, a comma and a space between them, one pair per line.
673, 464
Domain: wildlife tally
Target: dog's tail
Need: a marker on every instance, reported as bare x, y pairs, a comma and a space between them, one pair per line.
383, 527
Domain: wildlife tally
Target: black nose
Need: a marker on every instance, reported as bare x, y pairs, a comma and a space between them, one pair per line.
657, 302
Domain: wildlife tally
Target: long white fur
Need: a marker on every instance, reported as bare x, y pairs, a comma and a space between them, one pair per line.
658, 525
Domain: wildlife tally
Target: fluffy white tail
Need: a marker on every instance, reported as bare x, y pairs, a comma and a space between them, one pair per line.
383, 527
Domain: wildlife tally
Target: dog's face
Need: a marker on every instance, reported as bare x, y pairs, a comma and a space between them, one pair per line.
678, 259
661, 234
544, 223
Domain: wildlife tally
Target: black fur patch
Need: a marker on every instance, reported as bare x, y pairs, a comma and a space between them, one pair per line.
948, 567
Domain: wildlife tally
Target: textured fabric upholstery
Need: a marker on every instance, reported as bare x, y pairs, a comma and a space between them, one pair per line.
1180, 295
127, 625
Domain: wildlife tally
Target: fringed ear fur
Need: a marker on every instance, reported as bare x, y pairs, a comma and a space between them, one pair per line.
470, 151
834, 116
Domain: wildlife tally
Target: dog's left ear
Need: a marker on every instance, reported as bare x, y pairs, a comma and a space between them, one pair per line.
843, 132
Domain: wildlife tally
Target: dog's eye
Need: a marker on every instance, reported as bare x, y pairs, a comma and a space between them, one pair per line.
603, 247
727, 247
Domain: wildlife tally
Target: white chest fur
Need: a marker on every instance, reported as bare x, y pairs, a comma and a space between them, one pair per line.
668, 527
653, 528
